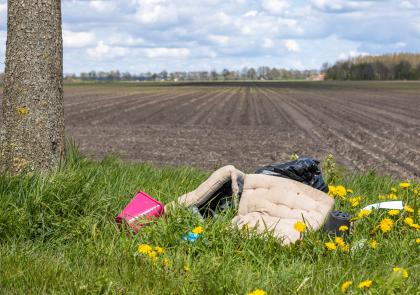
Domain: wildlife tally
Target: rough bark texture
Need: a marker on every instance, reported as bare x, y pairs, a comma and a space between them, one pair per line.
33, 112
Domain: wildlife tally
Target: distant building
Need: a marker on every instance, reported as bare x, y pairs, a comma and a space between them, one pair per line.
319, 77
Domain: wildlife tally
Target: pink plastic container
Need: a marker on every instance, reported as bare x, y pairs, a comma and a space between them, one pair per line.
140, 209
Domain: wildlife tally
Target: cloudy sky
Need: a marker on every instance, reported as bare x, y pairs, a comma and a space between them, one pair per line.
153, 35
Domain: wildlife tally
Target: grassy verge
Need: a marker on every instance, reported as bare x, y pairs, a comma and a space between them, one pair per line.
58, 236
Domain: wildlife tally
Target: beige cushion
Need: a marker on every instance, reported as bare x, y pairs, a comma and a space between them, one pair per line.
205, 190
276, 204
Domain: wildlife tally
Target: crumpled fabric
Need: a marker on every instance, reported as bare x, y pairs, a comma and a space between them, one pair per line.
267, 203
275, 204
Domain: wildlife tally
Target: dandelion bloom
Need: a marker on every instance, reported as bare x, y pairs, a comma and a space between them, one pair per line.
408, 209
349, 190
373, 244
393, 189
330, 246
418, 240
198, 230
152, 254
404, 184
165, 261
355, 201
144, 249
186, 268
393, 212
159, 250
365, 284
402, 271
408, 220
343, 228
392, 197
300, 226
415, 225
386, 225
345, 286
257, 292
337, 191
339, 241
363, 213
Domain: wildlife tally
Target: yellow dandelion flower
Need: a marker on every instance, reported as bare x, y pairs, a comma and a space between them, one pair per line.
152, 254
144, 249
393, 189
339, 241
373, 244
393, 212
330, 246
392, 196
159, 250
404, 184
418, 240
343, 228
415, 225
198, 230
363, 213
386, 225
381, 197
337, 191
300, 226
165, 261
355, 201
349, 190
408, 220
402, 271
345, 286
365, 284
257, 292
408, 209
186, 268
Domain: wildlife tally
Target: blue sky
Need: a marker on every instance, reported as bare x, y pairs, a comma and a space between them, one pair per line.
154, 35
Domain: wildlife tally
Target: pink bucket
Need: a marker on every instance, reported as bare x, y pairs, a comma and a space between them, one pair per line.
140, 209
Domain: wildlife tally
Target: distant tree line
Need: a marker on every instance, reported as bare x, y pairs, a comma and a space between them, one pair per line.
402, 66
261, 73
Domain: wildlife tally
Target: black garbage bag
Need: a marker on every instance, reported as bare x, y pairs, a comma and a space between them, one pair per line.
305, 170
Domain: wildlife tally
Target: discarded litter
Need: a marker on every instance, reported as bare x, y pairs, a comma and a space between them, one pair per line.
305, 170
393, 205
191, 237
141, 210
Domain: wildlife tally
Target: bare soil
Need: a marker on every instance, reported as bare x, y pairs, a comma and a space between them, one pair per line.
365, 125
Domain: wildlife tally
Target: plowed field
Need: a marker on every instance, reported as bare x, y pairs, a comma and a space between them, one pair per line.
365, 125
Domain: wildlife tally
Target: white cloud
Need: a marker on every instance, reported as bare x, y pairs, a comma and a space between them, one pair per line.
400, 44
104, 51
251, 13
292, 45
77, 39
157, 12
268, 43
101, 6
341, 5
275, 6
219, 39
124, 40
178, 53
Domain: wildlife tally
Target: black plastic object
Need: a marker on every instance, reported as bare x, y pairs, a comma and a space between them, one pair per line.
335, 220
305, 170
222, 199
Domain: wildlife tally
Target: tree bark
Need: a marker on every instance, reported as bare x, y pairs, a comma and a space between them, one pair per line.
33, 112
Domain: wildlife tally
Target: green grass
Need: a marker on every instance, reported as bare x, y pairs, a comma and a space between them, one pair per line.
58, 236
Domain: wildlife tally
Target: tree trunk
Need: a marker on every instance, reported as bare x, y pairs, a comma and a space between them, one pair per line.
33, 112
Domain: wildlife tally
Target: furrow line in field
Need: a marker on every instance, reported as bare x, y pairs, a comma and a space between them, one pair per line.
130, 111
159, 113
204, 115
376, 153
236, 116
182, 113
221, 117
